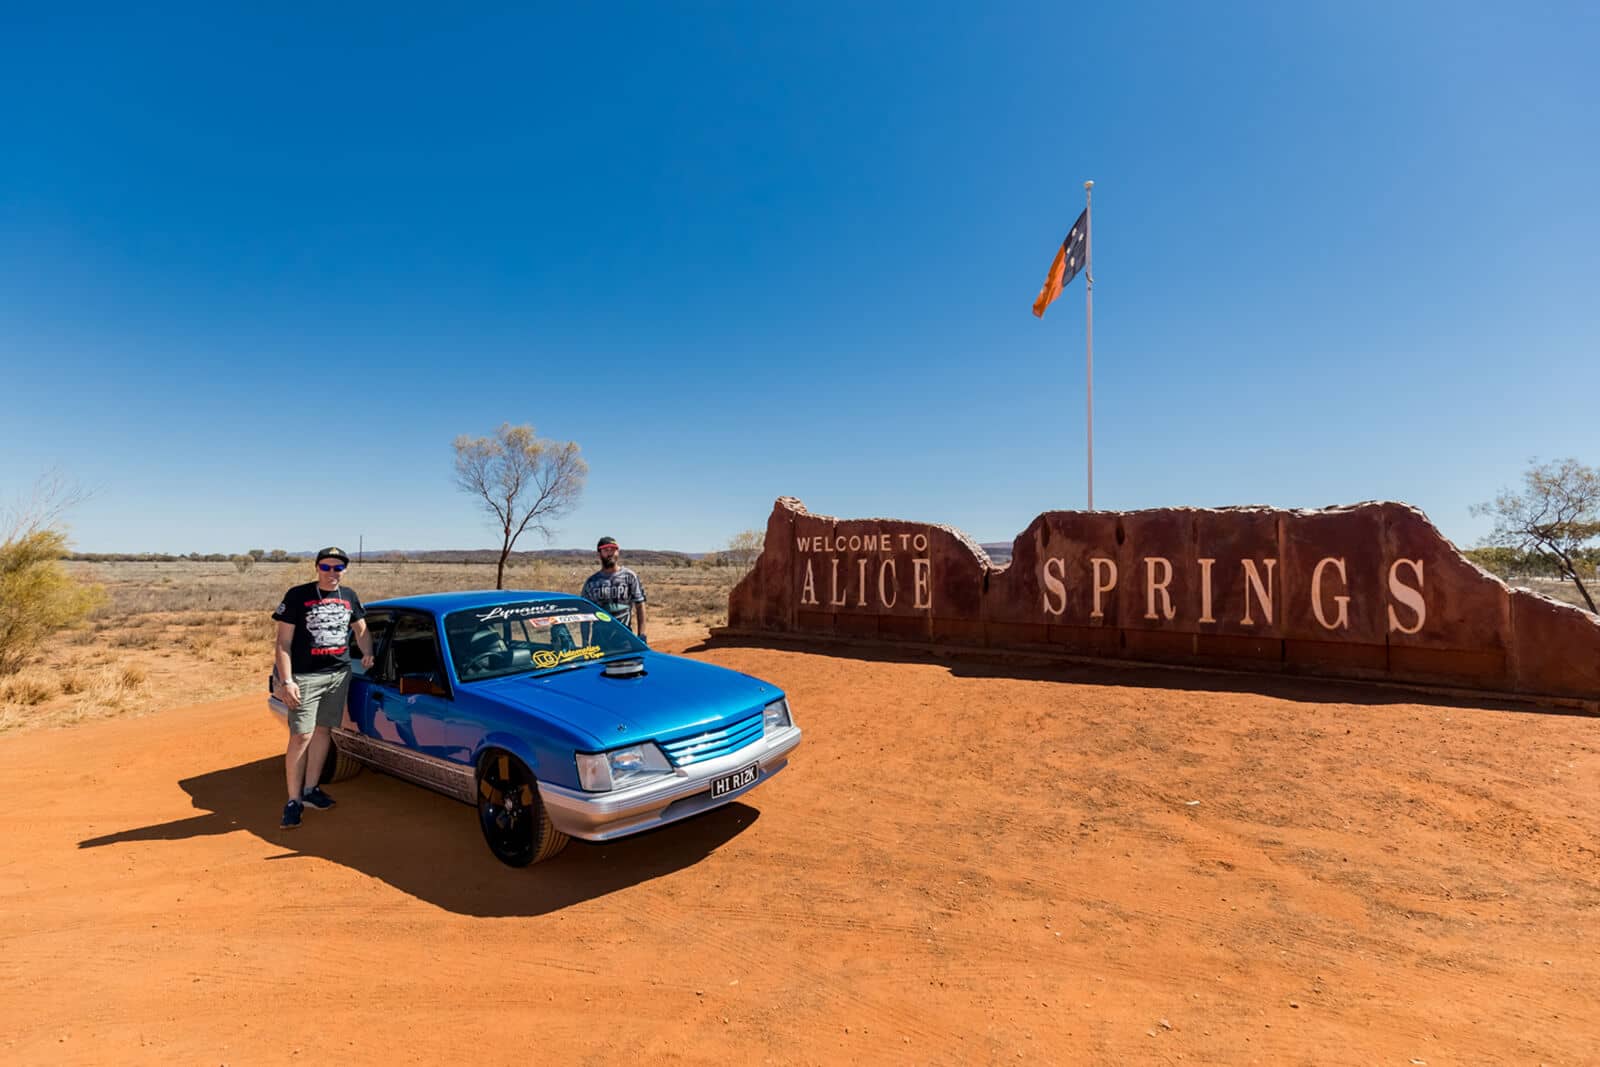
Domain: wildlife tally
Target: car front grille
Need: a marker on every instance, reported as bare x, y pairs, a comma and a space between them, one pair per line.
713, 743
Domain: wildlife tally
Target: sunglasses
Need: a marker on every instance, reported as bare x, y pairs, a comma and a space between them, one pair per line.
330, 566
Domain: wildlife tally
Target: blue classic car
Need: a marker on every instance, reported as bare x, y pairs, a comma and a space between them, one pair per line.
553, 719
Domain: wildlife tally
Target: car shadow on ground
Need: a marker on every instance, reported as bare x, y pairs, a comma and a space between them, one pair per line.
430, 846
1041, 667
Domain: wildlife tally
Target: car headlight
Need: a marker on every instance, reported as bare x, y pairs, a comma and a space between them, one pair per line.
601, 772
777, 715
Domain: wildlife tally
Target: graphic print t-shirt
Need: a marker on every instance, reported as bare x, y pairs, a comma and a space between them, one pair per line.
321, 624
616, 591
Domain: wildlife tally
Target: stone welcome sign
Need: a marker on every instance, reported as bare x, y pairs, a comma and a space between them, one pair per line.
1371, 591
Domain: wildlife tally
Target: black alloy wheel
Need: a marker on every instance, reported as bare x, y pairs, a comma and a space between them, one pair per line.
515, 824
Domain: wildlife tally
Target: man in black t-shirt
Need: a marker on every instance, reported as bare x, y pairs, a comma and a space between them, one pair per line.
315, 623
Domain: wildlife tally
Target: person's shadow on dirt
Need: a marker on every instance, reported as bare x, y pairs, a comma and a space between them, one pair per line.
430, 846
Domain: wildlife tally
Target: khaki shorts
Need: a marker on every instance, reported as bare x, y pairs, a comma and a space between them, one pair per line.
322, 699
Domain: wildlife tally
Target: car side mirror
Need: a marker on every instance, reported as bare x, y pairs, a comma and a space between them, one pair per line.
420, 685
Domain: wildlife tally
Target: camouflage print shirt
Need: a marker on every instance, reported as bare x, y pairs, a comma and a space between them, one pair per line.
616, 591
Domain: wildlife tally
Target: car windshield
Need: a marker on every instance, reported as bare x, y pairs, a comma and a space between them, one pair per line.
533, 635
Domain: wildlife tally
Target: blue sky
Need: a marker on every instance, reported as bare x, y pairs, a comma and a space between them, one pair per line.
257, 270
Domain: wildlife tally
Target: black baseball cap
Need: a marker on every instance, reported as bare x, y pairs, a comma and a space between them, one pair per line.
333, 552
604, 541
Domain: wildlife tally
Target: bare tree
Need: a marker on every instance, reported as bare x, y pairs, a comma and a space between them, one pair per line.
523, 480
743, 548
1556, 513
51, 497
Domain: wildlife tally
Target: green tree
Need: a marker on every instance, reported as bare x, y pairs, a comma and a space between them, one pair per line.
1554, 516
521, 479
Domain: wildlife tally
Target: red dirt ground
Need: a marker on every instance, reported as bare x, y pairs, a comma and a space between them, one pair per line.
965, 863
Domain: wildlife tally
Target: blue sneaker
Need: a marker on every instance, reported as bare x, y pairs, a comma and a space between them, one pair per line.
316, 798
291, 815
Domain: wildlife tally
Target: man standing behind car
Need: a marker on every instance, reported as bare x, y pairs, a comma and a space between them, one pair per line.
615, 588
315, 622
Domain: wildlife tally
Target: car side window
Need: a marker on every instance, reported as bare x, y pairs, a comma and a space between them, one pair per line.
413, 649
378, 624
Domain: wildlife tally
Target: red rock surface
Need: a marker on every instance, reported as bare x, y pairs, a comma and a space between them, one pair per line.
1371, 591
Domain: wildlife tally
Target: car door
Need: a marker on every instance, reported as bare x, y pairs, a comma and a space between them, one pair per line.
410, 699
379, 623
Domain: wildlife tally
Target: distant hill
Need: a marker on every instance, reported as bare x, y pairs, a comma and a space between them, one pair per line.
651, 557
999, 551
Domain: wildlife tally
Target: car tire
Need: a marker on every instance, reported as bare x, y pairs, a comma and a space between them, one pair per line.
515, 824
339, 765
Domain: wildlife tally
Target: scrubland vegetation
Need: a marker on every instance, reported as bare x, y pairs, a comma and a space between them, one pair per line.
159, 634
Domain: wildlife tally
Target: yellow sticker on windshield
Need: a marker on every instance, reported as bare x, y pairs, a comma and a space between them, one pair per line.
602, 616
546, 658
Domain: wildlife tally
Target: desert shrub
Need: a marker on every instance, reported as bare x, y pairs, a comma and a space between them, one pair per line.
132, 676
37, 596
27, 691
136, 638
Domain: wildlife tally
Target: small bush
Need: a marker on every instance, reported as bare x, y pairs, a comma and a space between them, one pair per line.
132, 676
136, 639
37, 596
27, 691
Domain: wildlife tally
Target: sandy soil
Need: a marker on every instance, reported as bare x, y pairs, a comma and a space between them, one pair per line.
966, 863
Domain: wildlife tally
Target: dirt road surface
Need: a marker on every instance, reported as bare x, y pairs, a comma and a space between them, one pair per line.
964, 864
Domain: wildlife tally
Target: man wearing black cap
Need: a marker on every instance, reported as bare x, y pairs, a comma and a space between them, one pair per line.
615, 588
315, 622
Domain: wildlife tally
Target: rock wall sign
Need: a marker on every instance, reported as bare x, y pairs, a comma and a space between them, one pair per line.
1370, 591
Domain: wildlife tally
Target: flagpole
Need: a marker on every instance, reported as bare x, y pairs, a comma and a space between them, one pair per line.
1088, 269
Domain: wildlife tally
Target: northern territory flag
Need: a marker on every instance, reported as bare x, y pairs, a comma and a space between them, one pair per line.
1069, 261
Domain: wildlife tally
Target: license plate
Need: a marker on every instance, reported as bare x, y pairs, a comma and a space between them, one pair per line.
737, 780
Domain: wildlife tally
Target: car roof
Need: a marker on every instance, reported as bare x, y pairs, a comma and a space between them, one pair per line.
444, 603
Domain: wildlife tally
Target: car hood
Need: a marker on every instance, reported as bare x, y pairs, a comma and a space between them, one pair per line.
674, 697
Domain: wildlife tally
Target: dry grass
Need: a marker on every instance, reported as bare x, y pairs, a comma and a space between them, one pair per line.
1557, 589
177, 633
142, 664
197, 591
27, 689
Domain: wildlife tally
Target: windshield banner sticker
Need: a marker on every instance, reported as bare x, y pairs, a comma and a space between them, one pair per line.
522, 611
548, 621
546, 658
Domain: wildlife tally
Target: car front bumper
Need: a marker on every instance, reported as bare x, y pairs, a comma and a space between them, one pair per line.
685, 792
